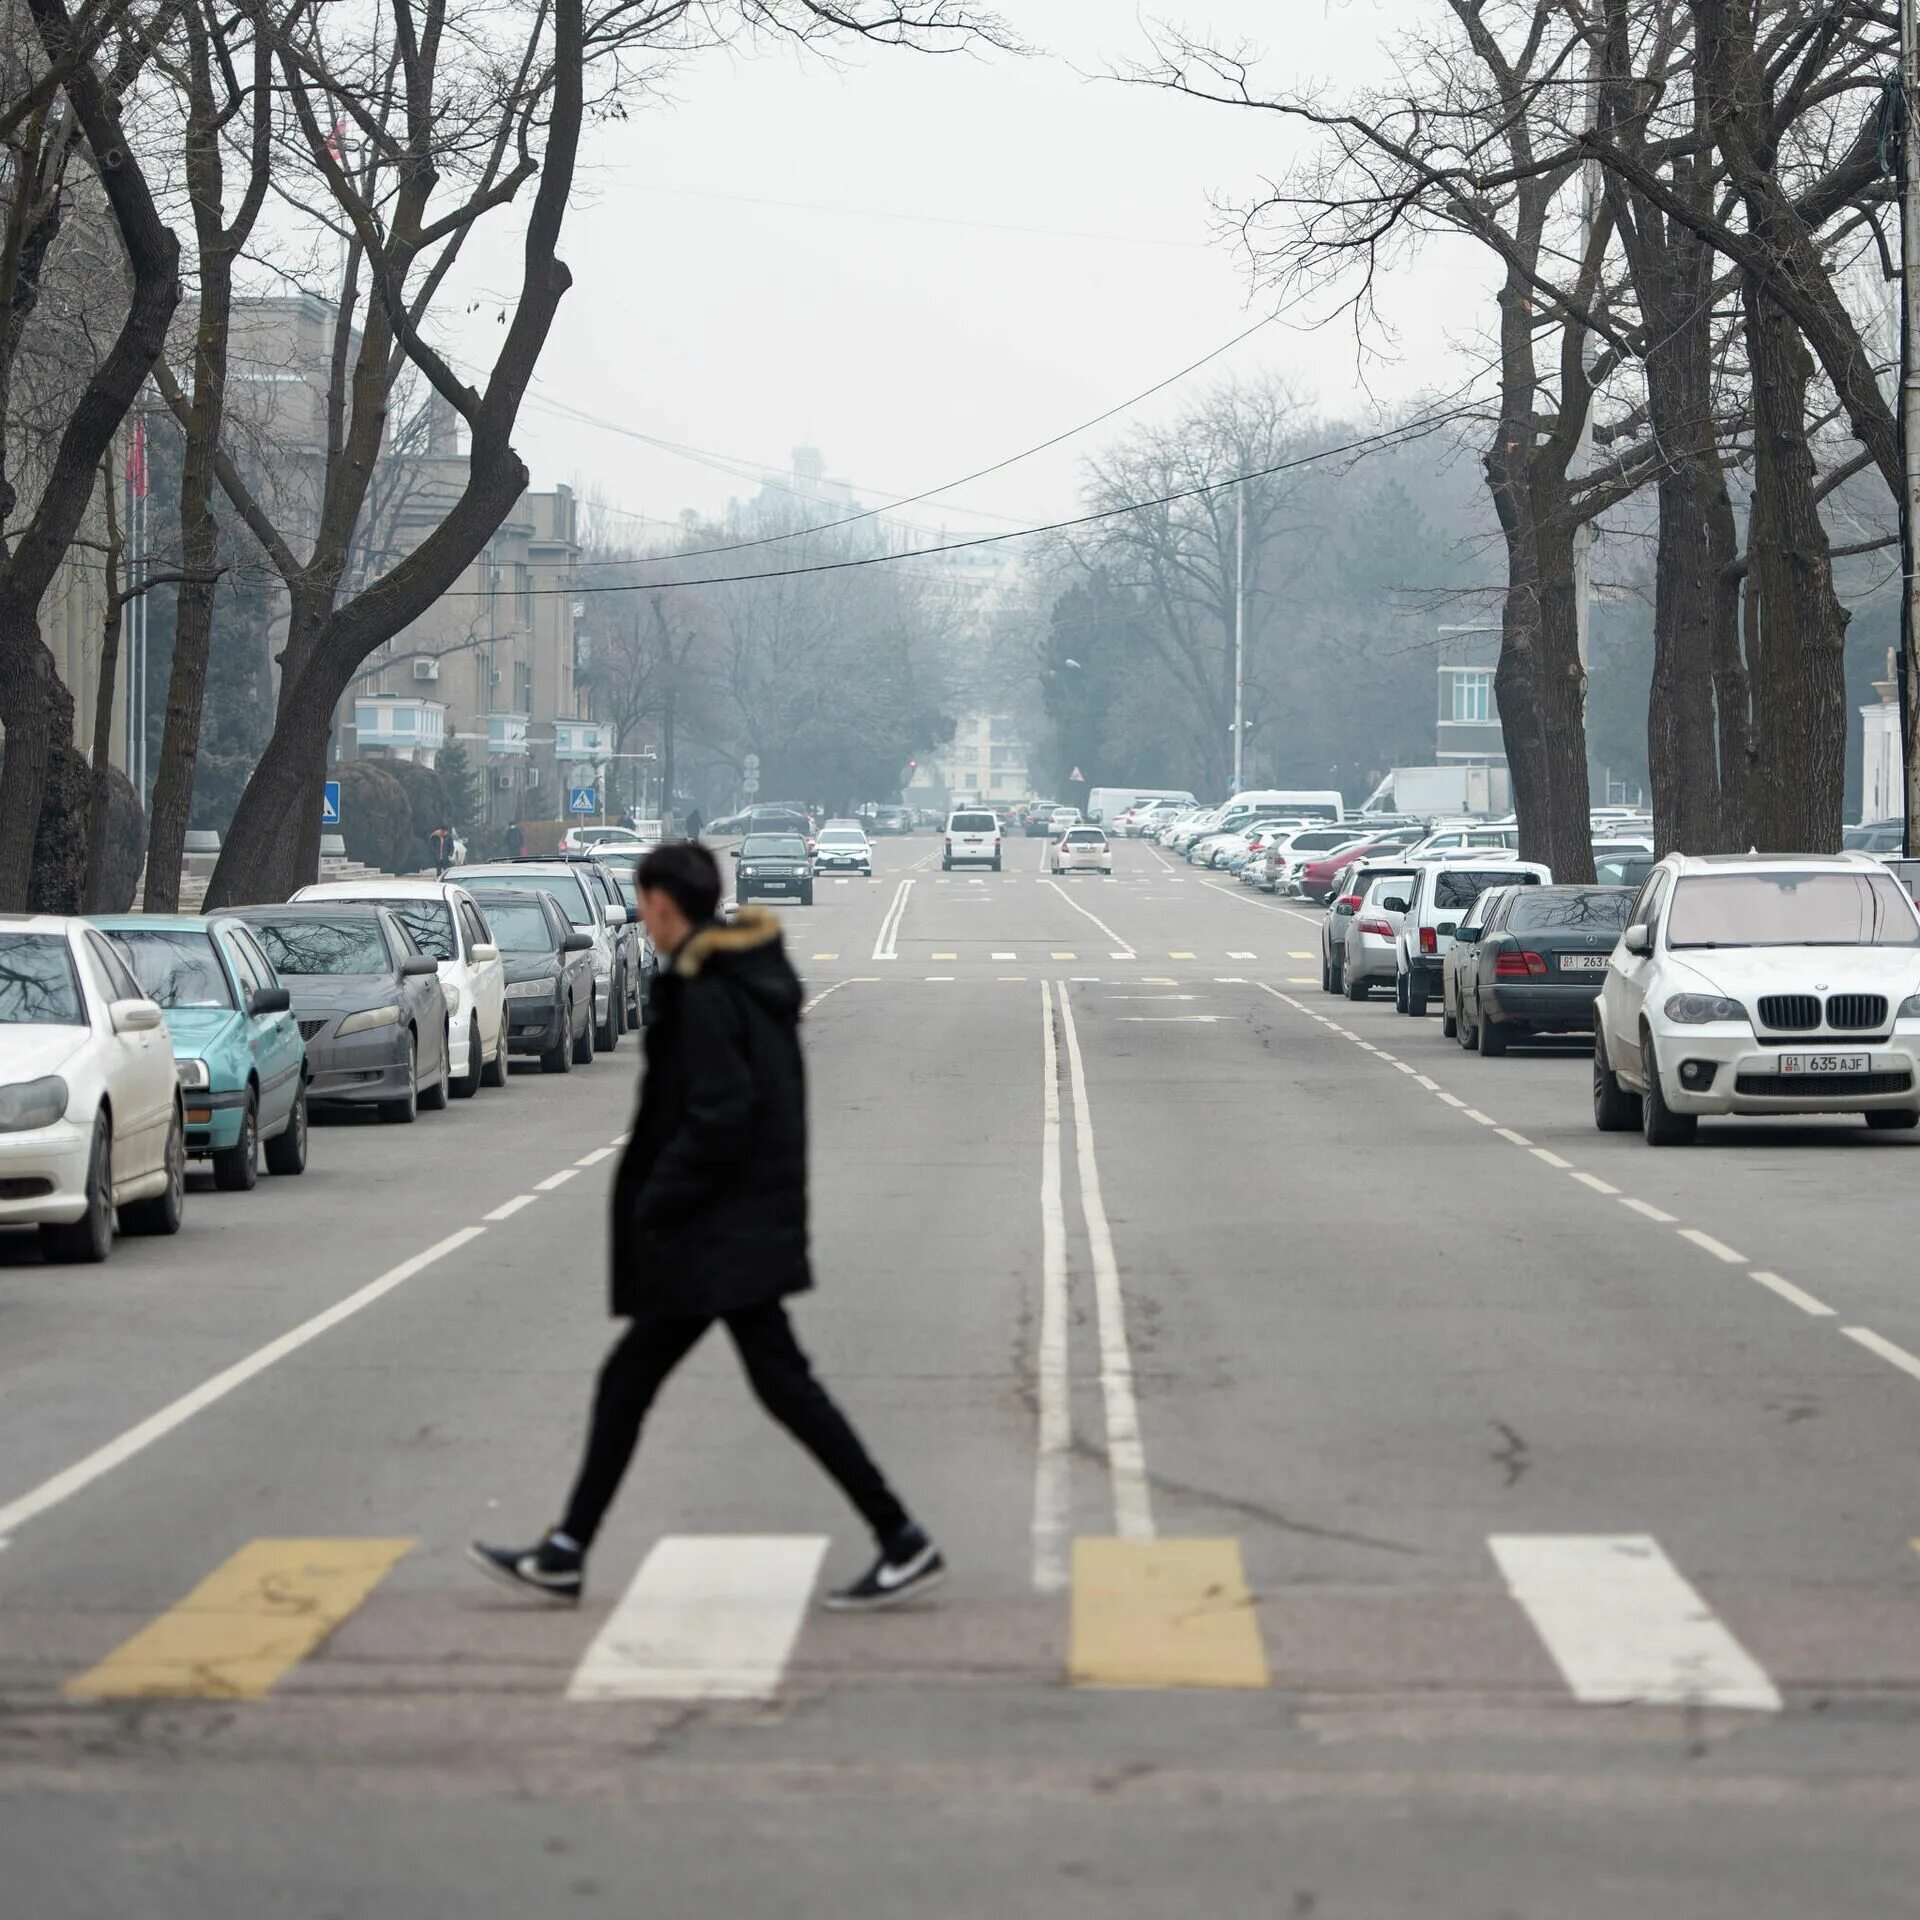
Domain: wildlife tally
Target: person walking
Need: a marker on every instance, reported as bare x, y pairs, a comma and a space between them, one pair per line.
694, 823
516, 840
710, 1224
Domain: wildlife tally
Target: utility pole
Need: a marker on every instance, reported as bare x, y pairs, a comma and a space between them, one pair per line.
666, 764
1909, 672
1240, 634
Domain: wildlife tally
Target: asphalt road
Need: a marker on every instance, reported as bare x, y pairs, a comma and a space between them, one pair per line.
1368, 1489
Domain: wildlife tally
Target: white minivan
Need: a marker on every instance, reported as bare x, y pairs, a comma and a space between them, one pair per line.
1272, 803
973, 839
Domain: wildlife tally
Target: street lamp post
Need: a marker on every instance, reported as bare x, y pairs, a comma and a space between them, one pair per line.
1908, 677
1240, 639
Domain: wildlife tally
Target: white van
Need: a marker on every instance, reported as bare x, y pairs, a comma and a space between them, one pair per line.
1269, 803
1104, 802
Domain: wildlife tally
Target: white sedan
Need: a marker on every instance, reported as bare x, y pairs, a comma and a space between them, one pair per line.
1756, 984
1082, 850
843, 845
90, 1114
446, 921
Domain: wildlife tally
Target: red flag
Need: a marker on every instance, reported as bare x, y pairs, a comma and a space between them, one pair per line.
337, 143
137, 458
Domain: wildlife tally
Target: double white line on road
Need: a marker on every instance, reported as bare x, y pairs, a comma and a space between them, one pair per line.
885, 946
1126, 1451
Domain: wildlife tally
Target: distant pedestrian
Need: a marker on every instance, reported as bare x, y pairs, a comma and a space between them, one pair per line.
442, 838
694, 823
516, 840
710, 1223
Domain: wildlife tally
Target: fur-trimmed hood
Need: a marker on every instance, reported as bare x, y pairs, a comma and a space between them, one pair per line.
749, 929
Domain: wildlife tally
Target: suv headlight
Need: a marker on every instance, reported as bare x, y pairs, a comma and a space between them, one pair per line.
32, 1103
192, 1073
1909, 1008
367, 1021
528, 989
1698, 1009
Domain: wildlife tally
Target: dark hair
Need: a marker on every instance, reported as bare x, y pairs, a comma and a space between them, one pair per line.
686, 873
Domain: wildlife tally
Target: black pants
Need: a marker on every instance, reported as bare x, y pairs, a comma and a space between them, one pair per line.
637, 1369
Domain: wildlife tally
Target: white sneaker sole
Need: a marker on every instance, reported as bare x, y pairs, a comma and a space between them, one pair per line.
554, 1596
847, 1603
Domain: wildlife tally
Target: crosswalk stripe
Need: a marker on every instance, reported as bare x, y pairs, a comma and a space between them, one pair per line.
1162, 1613
251, 1619
1624, 1625
708, 1617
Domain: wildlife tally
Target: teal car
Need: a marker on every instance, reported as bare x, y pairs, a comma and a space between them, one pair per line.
237, 1048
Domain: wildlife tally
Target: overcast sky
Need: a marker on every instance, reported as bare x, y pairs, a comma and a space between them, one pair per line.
923, 265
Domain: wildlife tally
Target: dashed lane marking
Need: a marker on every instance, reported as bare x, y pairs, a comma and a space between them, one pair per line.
1003, 956
1481, 1119
594, 1158
939, 979
1788, 1291
1518, 1139
1299, 980
826, 956
1893, 1355
1179, 955
1063, 956
1594, 1181
553, 1180
1290, 955
1552, 1160
1647, 1212
508, 1208
943, 956
1718, 1248
1231, 955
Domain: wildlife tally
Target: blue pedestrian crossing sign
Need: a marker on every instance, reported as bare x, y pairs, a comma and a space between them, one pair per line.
330, 804
581, 800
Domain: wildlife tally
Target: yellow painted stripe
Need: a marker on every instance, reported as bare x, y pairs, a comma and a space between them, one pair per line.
1163, 1613
826, 956
1179, 956
1066, 956
245, 1624
1291, 955
1301, 980
946, 956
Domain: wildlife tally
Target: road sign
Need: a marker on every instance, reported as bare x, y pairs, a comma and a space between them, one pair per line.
751, 763
330, 804
1075, 776
581, 800
751, 784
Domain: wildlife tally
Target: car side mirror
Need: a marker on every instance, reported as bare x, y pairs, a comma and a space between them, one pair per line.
1393, 904
1638, 939
615, 916
269, 1000
576, 943
486, 950
136, 1016
1343, 907
733, 853
417, 964
1468, 934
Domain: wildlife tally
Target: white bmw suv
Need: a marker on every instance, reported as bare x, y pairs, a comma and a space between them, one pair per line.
1760, 983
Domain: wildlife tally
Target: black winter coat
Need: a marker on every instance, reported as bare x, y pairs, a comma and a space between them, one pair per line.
710, 1205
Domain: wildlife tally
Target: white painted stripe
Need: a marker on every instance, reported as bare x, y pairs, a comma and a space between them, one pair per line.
1718, 1248
621, 1139
1518, 1139
1594, 1181
1393, 1059
1651, 1213
1894, 1356
1485, 1119
707, 1617
71, 1480
940, 977
1052, 1475
508, 1208
594, 1158
1553, 1160
1126, 1451
1452, 1099
1432, 1086
1003, 956
1231, 955
1401, 1064
1120, 956
1788, 1291
553, 1180
1624, 1626
886, 941
854, 980
1126, 952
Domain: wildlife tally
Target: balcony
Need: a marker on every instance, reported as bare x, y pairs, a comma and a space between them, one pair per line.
506, 736
404, 726
580, 740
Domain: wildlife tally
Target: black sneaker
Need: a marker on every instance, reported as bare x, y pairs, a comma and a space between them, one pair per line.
910, 1564
550, 1570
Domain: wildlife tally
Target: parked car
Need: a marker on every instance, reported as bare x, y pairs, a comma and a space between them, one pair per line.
773, 863
1761, 984
1353, 961
1622, 869
91, 1117
1443, 889
623, 843
843, 847
1061, 818
445, 921
1534, 963
1875, 836
237, 1050
549, 970
1081, 850
1315, 877
632, 950
368, 1001
1491, 837
579, 894
1456, 968
973, 839
891, 820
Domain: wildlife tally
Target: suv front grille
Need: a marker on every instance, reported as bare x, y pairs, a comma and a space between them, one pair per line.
1857, 1012
1789, 1012
1822, 1086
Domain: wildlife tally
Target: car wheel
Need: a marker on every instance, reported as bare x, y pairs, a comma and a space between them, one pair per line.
583, 1047
1399, 993
433, 1099
494, 1073
1416, 997
560, 1059
1491, 1036
469, 1082
606, 1035
287, 1150
1892, 1119
806, 896
400, 1112
163, 1212
1449, 1025
1660, 1125
1615, 1109
1358, 989
946, 866
1326, 974
237, 1168
90, 1238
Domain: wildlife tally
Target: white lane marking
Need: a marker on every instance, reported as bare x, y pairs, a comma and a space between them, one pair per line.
1126, 1452
1485, 1119
1168, 1019
1553, 1160
1646, 1212
1432, 1086
594, 1158
886, 941
1788, 1291
1231, 955
1624, 1626
707, 1617
1259, 906
1708, 1244
553, 1180
508, 1208
1003, 956
1894, 1356
1594, 1181
621, 1139
71, 1480
852, 980
1399, 1065
1518, 1139
1392, 1058
1052, 1476
1452, 1099
1126, 952
938, 979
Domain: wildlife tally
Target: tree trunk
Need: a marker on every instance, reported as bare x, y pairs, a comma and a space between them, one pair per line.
1516, 680
1795, 645
1561, 685
99, 797
1732, 695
